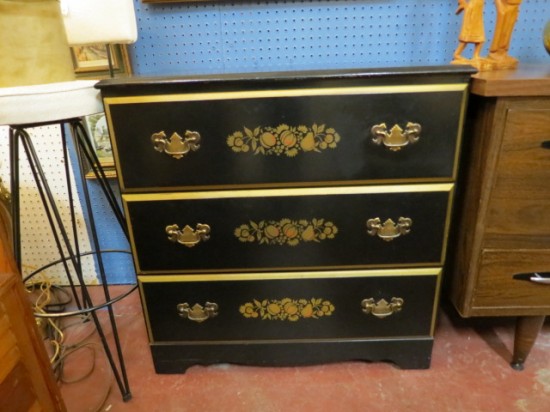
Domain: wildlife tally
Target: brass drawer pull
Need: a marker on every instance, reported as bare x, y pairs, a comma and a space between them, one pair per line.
176, 146
382, 308
198, 313
188, 236
396, 138
389, 230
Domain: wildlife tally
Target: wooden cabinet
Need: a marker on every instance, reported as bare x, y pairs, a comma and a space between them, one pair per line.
26, 379
284, 219
504, 231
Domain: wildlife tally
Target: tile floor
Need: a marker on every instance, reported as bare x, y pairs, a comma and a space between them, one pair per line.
470, 372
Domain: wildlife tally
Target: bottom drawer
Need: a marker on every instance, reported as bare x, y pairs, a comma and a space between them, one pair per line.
287, 306
503, 284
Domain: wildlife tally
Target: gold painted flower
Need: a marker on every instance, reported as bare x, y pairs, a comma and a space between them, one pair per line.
330, 230
286, 231
284, 139
326, 308
287, 309
244, 234
248, 310
237, 143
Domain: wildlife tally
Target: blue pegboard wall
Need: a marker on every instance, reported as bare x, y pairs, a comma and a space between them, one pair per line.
229, 37
246, 36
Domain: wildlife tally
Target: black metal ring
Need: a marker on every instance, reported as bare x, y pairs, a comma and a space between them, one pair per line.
86, 310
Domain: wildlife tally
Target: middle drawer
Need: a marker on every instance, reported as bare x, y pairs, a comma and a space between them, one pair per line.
321, 228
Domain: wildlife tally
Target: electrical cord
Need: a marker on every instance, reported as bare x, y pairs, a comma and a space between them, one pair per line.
49, 311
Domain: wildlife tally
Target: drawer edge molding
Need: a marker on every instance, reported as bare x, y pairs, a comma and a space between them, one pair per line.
336, 91
290, 275
289, 185
288, 192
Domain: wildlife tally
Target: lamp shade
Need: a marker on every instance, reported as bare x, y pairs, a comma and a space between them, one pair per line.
90, 22
34, 47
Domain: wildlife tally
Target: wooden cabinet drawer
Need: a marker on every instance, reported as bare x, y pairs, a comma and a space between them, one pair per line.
500, 291
520, 199
287, 306
275, 137
288, 229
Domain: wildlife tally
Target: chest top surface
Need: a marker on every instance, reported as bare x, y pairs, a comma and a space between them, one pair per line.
282, 80
527, 80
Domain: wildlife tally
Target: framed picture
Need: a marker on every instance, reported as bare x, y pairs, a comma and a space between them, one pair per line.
96, 125
92, 62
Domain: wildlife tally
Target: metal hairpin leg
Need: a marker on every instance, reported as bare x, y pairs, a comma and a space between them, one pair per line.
61, 237
82, 141
46, 197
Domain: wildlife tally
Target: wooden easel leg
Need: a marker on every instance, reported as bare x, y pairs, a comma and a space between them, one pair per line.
527, 330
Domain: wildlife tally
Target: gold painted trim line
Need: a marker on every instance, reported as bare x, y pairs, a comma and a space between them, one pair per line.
291, 275
208, 272
285, 185
460, 133
316, 191
436, 305
360, 339
131, 237
114, 147
336, 91
145, 312
448, 218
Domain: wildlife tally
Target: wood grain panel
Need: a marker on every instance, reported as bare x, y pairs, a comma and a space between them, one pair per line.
520, 200
524, 165
26, 379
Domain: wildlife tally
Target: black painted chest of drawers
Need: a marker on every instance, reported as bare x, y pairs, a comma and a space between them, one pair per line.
291, 218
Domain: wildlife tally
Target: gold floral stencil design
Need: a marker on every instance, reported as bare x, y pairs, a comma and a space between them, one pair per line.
286, 231
287, 309
283, 139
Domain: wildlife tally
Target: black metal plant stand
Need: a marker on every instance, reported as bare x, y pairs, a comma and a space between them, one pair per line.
69, 249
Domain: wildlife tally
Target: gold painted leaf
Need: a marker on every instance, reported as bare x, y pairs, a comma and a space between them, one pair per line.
248, 132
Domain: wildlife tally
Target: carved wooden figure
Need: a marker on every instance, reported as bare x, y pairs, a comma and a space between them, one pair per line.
472, 31
507, 15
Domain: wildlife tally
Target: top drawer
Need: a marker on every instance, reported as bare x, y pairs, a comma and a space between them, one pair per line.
286, 137
520, 196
